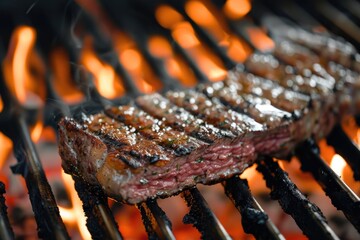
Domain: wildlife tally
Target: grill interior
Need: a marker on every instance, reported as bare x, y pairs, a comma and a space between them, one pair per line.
73, 26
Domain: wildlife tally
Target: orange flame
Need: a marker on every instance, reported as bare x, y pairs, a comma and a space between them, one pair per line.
106, 81
184, 34
16, 64
36, 131
6, 148
175, 65
134, 63
260, 39
64, 85
338, 164
167, 16
75, 214
235, 9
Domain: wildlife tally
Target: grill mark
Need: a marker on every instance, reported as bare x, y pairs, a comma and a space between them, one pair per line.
327, 48
180, 119
126, 145
154, 129
306, 83
280, 97
214, 112
254, 106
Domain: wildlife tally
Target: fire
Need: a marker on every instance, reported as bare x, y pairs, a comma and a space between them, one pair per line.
64, 85
260, 39
200, 14
338, 164
36, 131
73, 215
235, 9
6, 148
133, 61
106, 81
167, 16
175, 65
17, 62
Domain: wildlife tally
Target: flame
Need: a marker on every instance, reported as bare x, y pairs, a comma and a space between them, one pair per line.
260, 39
64, 85
16, 63
6, 148
135, 64
36, 131
105, 79
26, 40
75, 214
159, 47
235, 9
200, 13
167, 16
131, 59
338, 164
175, 65
237, 50
184, 34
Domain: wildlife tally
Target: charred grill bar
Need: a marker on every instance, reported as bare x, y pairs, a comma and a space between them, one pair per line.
101, 223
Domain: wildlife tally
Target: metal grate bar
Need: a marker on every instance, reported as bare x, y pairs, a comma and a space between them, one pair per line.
156, 223
202, 217
100, 221
6, 232
324, 12
254, 219
345, 147
306, 214
50, 224
342, 197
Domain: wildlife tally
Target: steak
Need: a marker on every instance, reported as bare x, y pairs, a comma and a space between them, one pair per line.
158, 145
134, 156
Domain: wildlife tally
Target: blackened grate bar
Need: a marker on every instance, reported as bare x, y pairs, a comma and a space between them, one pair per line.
100, 221
6, 232
342, 197
306, 214
254, 219
202, 217
345, 147
156, 223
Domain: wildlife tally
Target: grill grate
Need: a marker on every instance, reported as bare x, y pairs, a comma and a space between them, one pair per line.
100, 222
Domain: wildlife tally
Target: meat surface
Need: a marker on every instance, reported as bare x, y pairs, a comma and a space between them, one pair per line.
159, 145
134, 156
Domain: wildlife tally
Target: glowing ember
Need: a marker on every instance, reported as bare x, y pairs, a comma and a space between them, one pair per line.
236, 9
75, 214
337, 164
260, 39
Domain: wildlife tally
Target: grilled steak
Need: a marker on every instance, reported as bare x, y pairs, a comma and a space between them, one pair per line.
160, 145
134, 156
